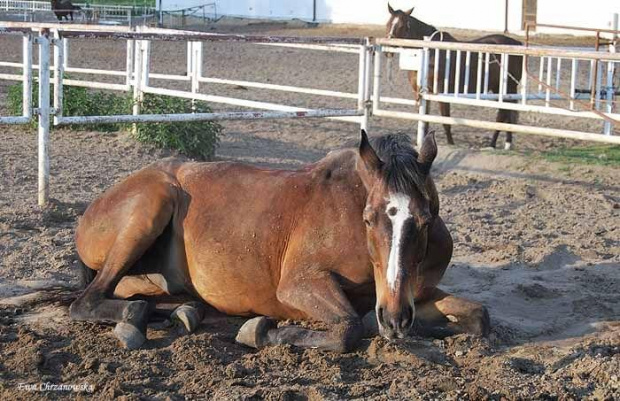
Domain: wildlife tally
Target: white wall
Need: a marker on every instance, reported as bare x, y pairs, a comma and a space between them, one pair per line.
441, 13
587, 14
488, 15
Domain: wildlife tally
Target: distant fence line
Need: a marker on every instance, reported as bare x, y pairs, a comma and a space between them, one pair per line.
90, 11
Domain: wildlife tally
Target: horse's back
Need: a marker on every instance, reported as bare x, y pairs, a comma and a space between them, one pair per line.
497, 39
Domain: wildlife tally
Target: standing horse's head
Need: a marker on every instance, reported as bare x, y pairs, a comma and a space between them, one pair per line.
399, 25
397, 216
404, 26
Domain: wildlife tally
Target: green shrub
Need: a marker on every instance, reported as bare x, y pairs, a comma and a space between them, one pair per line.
197, 139
77, 101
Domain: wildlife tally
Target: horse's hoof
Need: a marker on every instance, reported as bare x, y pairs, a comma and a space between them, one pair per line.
508, 146
253, 333
371, 327
129, 335
189, 315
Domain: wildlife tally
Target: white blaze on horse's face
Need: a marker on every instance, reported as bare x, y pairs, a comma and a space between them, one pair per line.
393, 28
398, 212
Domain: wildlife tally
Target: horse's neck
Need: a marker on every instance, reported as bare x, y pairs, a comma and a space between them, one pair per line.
426, 29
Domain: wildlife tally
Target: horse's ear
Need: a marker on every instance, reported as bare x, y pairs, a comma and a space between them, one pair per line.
370, 162
428, 152
408, 12
390, 9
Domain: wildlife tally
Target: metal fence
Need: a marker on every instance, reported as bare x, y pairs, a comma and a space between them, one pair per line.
95, 13
366, 102
540, 92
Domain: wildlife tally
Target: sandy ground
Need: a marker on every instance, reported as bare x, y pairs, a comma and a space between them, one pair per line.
537, 242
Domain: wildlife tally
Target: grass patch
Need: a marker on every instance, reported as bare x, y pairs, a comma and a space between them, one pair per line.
605, 155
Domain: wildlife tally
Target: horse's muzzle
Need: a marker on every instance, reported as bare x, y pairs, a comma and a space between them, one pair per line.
395, 325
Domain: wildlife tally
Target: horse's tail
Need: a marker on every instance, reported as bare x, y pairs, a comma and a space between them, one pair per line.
88, 274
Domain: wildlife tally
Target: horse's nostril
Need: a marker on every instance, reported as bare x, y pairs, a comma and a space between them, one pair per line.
407, 317
380, 315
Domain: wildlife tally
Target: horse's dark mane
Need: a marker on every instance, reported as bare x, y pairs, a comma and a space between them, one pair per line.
426, 29
401, 171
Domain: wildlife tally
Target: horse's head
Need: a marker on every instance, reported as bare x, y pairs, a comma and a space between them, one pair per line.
399, 25
397, 216
404, 26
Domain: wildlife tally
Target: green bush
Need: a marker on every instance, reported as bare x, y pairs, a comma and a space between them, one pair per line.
197, 139
77, 101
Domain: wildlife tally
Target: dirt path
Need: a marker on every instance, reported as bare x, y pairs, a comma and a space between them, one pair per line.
537, 242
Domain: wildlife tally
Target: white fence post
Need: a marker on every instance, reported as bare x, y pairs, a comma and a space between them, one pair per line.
196, 68
368, 65
361, 85
376, 79
58, 75
44, 116
422, 84
27, 80
131, 45
610, 91
137, 80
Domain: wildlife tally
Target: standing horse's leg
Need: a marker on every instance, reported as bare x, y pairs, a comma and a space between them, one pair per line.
444, 109
508, 117
119, 241
321, 298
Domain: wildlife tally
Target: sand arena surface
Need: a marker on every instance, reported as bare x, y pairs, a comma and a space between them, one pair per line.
537, 242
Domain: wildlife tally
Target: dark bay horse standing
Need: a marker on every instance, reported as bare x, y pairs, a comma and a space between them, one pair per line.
355, 232
402, 25
64, 9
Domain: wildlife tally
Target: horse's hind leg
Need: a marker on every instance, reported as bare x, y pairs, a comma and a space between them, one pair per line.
120, 242
508, 117
182, 309
444, 109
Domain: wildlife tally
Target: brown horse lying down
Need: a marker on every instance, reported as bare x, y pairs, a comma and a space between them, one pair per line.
356, 230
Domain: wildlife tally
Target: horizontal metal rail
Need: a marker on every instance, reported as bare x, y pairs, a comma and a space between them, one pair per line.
520, 107
502, 49
236, 115
237, 102
15, 120
487, 125
333, 48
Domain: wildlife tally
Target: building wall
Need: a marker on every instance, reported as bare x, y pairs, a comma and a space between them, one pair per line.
488, 15
590, 14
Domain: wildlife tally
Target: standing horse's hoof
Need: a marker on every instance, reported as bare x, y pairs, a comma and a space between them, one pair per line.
190, 315
129, 335
253, 333
508, 146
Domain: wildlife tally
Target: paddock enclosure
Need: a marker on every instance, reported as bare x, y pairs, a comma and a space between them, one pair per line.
536, 241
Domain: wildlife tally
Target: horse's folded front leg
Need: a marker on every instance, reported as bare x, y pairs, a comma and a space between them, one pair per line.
443, 315
320, 299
